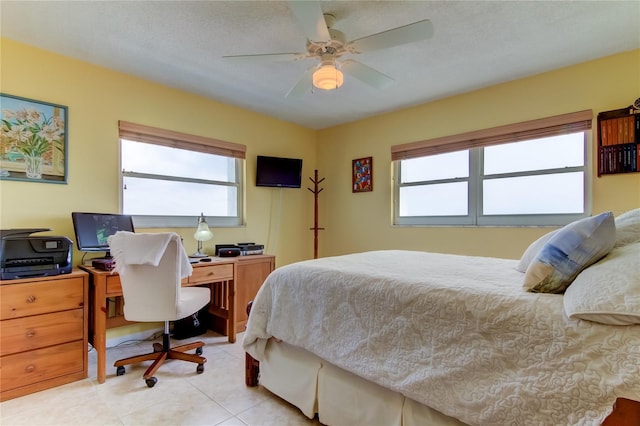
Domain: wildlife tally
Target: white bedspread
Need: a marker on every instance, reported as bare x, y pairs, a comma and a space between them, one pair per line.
453, 332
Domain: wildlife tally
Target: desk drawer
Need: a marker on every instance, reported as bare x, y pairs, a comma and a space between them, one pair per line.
38, 331
41, 364
211, 273
24, 299
114, 285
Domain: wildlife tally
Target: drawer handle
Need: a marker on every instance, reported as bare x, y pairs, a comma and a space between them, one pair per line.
31, 299
31, 333
30, 368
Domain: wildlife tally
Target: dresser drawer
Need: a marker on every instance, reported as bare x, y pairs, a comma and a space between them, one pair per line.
211, 273
41, 364
24, 299
38, 331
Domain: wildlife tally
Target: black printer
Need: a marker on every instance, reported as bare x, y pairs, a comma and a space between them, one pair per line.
23, 255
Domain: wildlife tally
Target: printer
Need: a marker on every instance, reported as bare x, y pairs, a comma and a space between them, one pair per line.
23, 255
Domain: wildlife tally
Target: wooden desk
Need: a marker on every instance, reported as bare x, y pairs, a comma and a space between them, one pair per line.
223, 275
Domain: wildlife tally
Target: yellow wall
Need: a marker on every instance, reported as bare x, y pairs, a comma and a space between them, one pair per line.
97, 98
363, 221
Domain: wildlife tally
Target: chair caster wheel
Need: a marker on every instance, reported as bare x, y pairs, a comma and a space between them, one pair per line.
199, 351
120, 371
151, 381
200, 369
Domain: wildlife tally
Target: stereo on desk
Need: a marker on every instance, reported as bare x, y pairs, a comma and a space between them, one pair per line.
240, 249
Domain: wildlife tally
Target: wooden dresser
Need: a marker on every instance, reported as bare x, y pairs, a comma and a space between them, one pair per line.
43, 333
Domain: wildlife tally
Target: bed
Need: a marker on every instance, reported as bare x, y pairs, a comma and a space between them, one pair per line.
408, 338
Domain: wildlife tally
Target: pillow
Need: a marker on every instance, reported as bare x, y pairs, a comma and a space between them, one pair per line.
569, 251
608, 292
532, 250
628, 228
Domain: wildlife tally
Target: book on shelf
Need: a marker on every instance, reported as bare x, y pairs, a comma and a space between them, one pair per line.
619, 158
614, 131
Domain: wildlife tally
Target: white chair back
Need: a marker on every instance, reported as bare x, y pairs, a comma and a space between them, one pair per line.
153, 292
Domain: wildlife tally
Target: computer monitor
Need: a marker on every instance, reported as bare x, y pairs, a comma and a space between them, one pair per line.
93, 229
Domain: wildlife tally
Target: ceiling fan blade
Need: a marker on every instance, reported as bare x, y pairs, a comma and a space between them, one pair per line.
417, 31
302, 86
366, 74
310, 17
267, 57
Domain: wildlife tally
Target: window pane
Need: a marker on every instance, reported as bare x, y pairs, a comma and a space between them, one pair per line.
162, 160
551, 194
447, 199
435, 167
172, 198
536, 154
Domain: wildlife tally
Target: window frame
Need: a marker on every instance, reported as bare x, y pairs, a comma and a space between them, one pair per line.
146, 134
475, 142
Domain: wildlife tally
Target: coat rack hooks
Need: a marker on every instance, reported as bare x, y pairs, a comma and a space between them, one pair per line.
315, 228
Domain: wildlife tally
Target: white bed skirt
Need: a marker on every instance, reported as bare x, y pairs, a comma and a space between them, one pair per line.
339, 397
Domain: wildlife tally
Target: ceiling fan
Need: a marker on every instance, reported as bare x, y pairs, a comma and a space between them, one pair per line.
329, 45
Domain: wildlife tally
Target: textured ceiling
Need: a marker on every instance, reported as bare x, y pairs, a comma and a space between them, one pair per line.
181, 44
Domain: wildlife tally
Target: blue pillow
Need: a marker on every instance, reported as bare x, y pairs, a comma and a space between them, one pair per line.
570, 250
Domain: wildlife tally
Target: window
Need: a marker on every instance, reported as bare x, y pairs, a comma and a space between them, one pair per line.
169, 178
532, 173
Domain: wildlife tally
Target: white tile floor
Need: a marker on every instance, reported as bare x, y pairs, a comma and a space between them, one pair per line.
218, 396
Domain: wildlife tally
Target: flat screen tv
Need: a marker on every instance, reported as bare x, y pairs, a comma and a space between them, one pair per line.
93, 229
278, 172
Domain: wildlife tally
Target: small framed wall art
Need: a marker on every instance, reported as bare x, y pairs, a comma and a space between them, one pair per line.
362, 175
33, 140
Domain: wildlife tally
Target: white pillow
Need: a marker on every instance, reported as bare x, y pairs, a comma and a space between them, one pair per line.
628, 228
533, 250
608, 292
570, 250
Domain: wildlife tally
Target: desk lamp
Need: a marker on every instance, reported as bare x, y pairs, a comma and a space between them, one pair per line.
203, 233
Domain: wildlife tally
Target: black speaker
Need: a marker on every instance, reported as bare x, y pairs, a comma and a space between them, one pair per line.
229, 252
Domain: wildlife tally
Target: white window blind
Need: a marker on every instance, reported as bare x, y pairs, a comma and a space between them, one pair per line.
156, 136
544, 127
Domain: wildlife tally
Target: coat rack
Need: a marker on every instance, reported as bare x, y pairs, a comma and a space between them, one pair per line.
315, 228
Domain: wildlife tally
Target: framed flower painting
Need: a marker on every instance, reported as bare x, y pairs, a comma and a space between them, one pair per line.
33, 140
362, 178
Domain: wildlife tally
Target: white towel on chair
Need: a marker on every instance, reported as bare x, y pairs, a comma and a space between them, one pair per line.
130, 248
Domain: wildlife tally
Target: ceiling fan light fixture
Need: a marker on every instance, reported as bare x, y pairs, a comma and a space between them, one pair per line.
328, 77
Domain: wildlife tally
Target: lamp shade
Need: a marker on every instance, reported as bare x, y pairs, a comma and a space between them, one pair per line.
328, 77
203, 233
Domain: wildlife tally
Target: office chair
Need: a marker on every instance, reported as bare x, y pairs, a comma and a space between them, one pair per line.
151, 267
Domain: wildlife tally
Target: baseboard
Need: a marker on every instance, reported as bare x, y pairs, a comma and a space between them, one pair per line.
130, 338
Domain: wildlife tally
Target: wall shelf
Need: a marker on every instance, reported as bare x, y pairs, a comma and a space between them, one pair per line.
619, 141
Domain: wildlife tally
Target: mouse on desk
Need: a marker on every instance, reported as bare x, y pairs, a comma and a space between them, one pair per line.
205, 259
